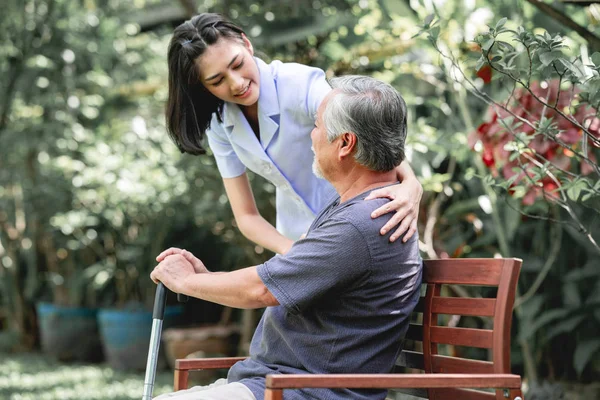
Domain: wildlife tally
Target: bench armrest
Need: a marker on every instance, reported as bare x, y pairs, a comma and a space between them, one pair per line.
184, 365
396, 381
187, 364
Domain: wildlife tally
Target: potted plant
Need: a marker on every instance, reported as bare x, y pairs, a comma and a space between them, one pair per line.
67, 311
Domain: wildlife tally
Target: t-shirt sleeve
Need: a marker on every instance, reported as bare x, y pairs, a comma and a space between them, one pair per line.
227, 160
331, 257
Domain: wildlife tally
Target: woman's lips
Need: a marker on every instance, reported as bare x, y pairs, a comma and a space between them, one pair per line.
245, 94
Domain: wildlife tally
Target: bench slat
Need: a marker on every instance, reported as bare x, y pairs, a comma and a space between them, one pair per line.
463, 306
410, 359
463, 394
481, 338
455, 365
415, 332
464, 272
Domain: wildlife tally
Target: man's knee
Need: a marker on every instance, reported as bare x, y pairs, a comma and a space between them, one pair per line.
218, 390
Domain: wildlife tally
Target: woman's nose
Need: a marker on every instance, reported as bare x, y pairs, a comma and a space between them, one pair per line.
237, 84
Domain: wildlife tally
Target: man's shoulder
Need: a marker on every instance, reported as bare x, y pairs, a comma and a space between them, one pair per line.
358, 211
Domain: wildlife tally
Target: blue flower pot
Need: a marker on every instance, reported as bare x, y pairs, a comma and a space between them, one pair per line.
69, 333
126, 335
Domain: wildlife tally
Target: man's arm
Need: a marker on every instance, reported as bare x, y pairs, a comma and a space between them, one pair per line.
240, 289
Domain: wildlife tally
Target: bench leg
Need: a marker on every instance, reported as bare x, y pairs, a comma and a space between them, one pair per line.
181, 379
516, 394
273, 394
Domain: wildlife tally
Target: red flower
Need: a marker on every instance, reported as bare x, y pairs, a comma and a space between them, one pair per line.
485, 73
488, 157
493, 135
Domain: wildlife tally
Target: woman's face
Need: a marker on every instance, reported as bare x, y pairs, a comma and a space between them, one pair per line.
228, 71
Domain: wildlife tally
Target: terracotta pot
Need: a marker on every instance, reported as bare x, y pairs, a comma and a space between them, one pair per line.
201, 341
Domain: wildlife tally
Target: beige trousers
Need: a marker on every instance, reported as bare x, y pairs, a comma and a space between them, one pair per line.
219, 390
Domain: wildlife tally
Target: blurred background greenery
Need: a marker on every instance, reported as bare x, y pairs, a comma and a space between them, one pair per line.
91, 188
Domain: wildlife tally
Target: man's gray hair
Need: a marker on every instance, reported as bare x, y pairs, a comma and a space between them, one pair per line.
375, 112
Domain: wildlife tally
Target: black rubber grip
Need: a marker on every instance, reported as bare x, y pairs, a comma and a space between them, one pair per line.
160, 299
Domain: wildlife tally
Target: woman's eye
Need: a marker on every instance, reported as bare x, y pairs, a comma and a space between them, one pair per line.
217, 83
239, 65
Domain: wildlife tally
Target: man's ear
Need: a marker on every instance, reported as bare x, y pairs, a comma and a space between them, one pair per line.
348, 144
248, 44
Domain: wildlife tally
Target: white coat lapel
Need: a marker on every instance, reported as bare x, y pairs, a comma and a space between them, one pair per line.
240, 132
268, 105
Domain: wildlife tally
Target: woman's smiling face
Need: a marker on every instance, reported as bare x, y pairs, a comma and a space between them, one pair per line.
228, 70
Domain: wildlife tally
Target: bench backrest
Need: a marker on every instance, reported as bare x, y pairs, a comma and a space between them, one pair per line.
441, 345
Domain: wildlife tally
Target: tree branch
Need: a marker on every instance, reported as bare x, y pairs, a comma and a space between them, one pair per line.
564, 19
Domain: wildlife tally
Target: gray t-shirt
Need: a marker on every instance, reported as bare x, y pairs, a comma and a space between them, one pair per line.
345, 295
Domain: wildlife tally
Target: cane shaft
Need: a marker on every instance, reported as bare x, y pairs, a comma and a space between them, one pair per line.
157, 321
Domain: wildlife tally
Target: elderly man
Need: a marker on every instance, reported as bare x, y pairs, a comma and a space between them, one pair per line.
339, 301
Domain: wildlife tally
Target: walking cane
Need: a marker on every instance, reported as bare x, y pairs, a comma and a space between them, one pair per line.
157, 320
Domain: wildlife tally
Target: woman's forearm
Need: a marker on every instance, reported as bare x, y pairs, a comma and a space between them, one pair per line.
404, 171
252, 225
257, 229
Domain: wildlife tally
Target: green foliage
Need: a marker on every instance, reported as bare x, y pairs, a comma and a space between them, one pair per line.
91, 188
537, 175
31, 376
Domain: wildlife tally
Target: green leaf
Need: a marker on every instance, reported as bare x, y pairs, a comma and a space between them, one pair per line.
574, 190
501, 23
544, 319
531, 308
428, 20
546, 58
564, 326
334, 50
596, 59
480, 63
505, 46
434, 33
488, 44
589, 270
583, 354
571, 295
512, 217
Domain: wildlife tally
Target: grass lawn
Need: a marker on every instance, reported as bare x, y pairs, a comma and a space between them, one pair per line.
32, 376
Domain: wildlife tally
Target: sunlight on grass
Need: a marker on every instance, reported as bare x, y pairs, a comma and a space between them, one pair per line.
33, 376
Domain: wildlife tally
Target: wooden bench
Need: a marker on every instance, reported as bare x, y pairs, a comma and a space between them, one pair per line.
445, 377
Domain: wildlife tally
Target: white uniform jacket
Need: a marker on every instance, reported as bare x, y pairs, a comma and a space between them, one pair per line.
290, 95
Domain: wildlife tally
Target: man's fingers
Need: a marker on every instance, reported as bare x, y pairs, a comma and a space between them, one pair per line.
393, 222
196, 263
168, 252
402, 229
410, 232
400, 204
380, 193
189, 256
153, 276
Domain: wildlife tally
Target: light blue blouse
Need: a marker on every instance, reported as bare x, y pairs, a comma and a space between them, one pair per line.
290, 95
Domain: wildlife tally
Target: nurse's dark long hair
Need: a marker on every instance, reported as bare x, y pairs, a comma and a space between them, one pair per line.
190, 106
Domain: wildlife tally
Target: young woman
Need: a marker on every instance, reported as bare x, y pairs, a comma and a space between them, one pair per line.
259, 116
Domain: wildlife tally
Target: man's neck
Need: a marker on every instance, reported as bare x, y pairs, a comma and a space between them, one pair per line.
359, 180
